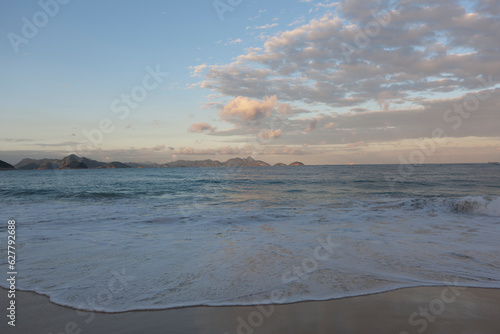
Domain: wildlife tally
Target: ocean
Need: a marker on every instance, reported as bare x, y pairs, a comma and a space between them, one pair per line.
135, 239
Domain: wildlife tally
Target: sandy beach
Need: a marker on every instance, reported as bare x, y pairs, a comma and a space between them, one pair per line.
411, 310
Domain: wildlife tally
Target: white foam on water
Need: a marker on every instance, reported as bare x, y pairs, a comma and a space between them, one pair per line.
479, 204
137, 255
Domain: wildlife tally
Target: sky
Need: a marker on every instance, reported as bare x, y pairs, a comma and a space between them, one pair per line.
322, 82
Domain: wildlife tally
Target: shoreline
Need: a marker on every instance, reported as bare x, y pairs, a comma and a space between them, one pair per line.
450, 309
390, 290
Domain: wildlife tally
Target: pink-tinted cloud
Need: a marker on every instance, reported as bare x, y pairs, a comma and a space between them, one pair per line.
269, 134
201, 127
356, 144
244, 109
329, 125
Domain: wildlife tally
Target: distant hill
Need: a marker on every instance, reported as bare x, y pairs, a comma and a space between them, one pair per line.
73, 161
45, 165
280, 164
235, 162
5, 166
30, 164
35, 164
196, 163
248, 162
74, 165
114, 164
91, 163
147, 164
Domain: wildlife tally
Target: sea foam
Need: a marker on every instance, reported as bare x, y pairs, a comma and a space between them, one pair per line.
186, 237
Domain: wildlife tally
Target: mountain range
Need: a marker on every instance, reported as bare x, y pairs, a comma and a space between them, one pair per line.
5, 166
75, 162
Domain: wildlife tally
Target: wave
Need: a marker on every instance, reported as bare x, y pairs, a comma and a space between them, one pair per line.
478, 205
57, 194
88, 304
227, 255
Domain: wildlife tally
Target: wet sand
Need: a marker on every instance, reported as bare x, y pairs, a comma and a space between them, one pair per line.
411, 310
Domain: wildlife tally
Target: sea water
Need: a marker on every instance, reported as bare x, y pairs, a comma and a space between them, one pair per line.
130, 239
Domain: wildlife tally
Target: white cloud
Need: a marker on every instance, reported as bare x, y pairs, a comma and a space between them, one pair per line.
261, 11
197, 69
327, 5
265, 26
300, 20
235, 41
420, 51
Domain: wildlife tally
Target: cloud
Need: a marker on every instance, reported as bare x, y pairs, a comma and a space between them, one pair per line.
389, 126
358, 109
245, 150
356, 144
327, 5
286, 150
16, 140
409, 63
450, 115
329, 125
212, 105
159, 148
197, 69
201, 127
62, 144
488, 7
258, 15
243, 109
265, 26
422, 48
235, 41
312, 125
225, 150
300, 20
269, 134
